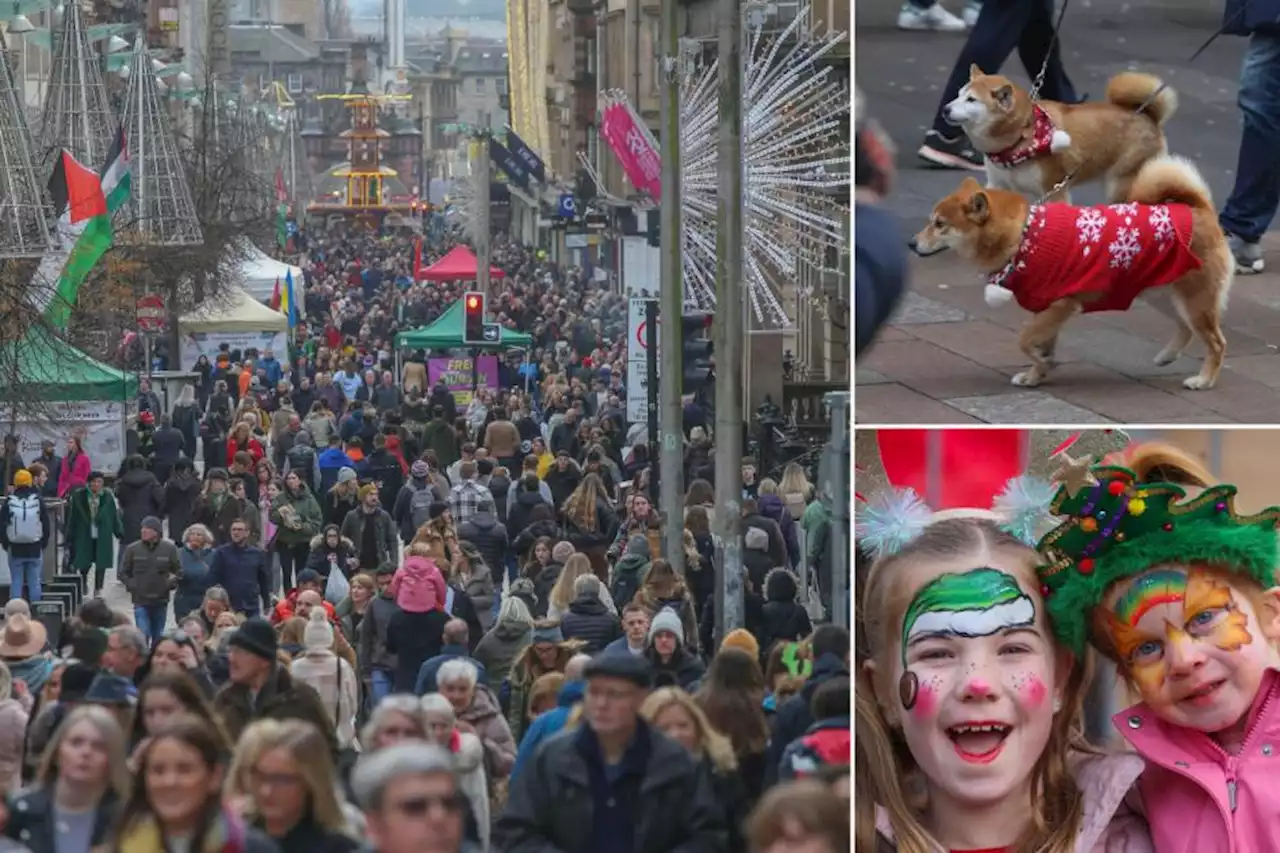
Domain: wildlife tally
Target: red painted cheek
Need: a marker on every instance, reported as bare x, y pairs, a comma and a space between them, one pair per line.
926, 701
1034, 692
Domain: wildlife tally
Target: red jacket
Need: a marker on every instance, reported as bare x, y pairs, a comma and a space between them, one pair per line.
1117, 250
254, 449
284, 609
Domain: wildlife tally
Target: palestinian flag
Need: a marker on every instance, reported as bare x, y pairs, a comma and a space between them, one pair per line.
974, 604
85, 201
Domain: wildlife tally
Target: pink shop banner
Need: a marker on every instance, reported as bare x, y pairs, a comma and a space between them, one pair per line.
642, 164
456, 373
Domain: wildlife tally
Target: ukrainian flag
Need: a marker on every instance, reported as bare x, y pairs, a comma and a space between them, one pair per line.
288, 300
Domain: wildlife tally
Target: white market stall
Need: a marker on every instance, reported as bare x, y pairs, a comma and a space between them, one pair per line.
259, 272
237, 320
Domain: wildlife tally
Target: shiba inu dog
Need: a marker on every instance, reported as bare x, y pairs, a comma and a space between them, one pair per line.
1030, 147
1058, 260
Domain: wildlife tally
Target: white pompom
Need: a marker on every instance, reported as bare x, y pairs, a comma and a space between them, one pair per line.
996, 296
1061, 141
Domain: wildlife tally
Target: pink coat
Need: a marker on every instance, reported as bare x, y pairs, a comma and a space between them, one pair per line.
418, 586
74, 474
1199, 798
1109, 824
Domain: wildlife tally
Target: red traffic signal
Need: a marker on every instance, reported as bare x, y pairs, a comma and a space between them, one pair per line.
473, 308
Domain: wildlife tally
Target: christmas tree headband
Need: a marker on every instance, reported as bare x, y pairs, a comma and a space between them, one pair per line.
890, 520
1116, 527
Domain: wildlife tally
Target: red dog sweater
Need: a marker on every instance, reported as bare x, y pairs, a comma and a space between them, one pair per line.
1117, 251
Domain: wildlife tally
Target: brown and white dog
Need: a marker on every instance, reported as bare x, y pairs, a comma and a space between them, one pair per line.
1058, 260
1030, 147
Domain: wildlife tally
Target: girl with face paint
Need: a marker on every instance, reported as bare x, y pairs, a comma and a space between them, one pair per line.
1154, 568
967, 707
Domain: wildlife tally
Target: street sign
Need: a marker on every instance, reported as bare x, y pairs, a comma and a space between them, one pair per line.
637, 361
492, 333
568, 206
151, 313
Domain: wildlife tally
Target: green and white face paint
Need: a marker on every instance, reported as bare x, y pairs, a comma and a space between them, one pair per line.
978, 603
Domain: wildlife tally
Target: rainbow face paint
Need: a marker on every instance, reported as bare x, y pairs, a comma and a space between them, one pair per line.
1163, 586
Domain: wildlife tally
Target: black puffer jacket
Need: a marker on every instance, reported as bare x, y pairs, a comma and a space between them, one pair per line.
589, 620
783, 618
139, 494
484, 531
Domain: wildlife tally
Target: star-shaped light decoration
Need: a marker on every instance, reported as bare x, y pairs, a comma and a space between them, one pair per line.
1074, 474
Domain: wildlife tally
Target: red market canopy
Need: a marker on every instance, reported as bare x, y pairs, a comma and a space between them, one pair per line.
459, 264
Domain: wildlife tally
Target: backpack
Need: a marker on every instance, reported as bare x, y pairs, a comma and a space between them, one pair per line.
302, 459
24, 520
420, 505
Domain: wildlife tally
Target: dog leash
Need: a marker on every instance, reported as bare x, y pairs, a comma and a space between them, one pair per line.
1067, 178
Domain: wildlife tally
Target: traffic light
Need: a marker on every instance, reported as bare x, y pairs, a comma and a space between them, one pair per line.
697, 348
473, 328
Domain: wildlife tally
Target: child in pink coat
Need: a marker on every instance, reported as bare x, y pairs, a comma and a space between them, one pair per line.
418, 585
1153, 566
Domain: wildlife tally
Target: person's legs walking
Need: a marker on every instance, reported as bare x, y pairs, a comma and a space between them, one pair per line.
1252, 205
995, 34
26, 577
1035, 53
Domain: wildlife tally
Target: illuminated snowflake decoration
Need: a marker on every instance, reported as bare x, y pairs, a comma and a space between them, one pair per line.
466, 205
796, 164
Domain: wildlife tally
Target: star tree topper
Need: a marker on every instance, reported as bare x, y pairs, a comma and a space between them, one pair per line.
1074, 474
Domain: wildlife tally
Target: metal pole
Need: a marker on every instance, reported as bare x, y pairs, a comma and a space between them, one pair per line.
728, 328
480, 174
671, 458
651, 374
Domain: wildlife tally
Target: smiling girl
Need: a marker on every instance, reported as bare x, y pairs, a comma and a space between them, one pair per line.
1154, 568
974, 707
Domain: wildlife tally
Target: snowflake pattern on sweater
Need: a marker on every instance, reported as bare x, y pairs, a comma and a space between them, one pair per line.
1114, 251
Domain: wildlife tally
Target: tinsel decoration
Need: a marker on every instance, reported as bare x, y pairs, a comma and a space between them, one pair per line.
890, 520
1024, 507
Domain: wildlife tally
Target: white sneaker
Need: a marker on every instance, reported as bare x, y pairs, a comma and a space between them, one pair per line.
971, 12
932, 18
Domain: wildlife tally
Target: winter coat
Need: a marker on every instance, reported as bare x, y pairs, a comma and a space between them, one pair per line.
281, 698
180, 495
322, 558
682, 604
25, 549
219, 520
468, 764
520, 526
479, 586
371, 645
388, 542
386, 474
139, 494
438, 435
484, 531
150, 571
414, 639
499, 648
13, 735
783, 618
74, 474
335, 508
499, 746
244, 571
550, 724
426, 681
84, 554
628, 577
794, 717
777, 544
194, 581
771, 506
1109, 823
683, 670
542, 586
590, 621
1197, 797
552, 802
337, 685
32, 822
305, 508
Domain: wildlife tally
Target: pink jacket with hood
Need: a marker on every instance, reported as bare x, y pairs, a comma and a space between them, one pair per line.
1109, 824
1199, 798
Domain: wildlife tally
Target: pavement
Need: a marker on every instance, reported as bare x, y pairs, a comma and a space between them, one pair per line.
946, 357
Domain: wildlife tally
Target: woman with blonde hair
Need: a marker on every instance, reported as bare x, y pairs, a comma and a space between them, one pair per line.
242, 440
562, 593
284, 780
82, 779
176, 802
675, 713
662, 588
796, 490
590, 522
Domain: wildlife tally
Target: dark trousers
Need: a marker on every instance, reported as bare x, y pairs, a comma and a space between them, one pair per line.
99, 570
1256, 194
293, 559
1002, 27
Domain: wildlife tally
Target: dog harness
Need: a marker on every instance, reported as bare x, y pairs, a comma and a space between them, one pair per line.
1022, 151
1114, 251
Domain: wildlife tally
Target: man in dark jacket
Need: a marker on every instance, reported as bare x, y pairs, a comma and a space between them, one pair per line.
244, 571
168, 446
150, 571
377, 665
371, 531
831, 660
588, 619
563, 478
52, 463
565, 436
25, 525
483, 530
456, 644
614, 784
673, 664
259, 688
302, 458
402, 512
384, 470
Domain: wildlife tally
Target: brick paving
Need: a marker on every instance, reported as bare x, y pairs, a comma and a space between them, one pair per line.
947, 357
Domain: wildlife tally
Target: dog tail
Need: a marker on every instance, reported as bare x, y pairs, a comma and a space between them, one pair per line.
1132, 89
1169, 178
